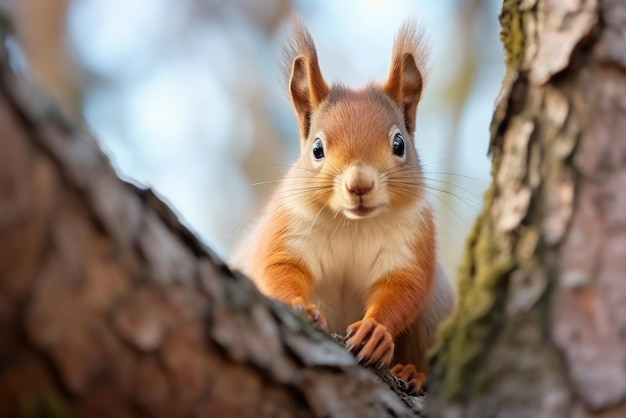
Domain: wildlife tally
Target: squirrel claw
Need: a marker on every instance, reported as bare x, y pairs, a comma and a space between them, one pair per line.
408, 373
370, 342
313, 314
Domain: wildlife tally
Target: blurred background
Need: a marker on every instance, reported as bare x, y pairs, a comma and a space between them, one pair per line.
186, 97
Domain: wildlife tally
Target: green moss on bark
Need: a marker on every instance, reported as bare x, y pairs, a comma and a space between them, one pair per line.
511, 33
462, 338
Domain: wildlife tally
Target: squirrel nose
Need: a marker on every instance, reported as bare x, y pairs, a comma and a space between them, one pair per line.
360, 189
360, 180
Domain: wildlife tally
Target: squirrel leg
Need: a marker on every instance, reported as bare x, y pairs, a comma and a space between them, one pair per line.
393, 303
289, 281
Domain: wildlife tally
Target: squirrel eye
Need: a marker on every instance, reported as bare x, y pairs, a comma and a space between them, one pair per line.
318, 149
398, 145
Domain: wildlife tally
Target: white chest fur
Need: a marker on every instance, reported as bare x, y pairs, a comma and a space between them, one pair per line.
346, 257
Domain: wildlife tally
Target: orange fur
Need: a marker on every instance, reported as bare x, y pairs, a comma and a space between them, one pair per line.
348, 237
396, 299
291, 280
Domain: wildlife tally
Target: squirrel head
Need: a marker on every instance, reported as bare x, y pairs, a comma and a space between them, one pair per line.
358, 155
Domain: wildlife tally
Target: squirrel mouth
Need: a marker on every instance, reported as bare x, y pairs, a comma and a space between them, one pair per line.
362, 211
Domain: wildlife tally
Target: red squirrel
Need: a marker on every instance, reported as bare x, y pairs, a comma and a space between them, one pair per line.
348, 237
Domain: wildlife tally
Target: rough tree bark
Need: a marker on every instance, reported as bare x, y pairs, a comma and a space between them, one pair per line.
541, 327
110, 308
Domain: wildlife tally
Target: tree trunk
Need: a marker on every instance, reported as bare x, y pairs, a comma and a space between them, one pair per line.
110, 308
541, 326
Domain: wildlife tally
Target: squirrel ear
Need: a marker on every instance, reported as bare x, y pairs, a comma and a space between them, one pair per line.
307, 89
404, 85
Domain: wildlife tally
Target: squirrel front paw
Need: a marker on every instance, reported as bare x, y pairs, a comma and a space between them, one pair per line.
370, 342
313, 314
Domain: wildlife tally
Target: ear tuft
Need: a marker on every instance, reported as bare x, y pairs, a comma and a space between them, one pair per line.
307, 88
408, 71
299, 91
